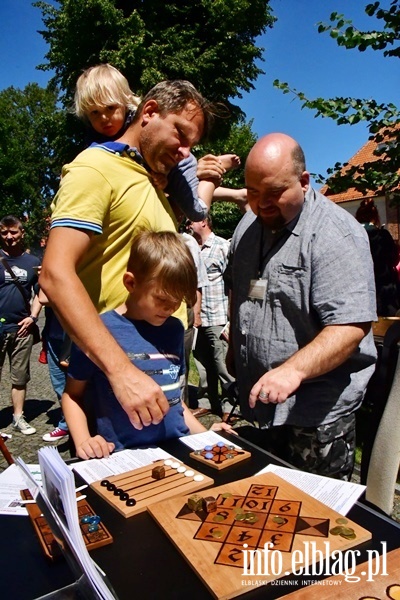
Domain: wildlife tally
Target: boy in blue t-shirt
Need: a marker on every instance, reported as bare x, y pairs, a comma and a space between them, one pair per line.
160, 274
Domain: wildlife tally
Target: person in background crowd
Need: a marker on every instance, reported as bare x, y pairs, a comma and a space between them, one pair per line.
210, 350
17, 338
385, 256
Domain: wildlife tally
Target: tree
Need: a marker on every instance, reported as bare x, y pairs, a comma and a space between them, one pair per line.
226, 216
29, 166
209, 42
383, 119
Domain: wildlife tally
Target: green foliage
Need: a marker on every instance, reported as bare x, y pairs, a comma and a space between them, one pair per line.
28, 163
209, 42
383, 119
226, 215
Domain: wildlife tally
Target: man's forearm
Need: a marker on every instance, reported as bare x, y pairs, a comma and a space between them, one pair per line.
139, 395
80, 320
328, 350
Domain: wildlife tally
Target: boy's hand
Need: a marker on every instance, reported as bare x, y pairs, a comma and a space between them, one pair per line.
94, 447
222, 427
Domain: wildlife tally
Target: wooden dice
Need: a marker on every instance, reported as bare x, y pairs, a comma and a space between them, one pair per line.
158, 472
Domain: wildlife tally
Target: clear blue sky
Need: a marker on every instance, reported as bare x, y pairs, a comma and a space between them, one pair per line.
294, 52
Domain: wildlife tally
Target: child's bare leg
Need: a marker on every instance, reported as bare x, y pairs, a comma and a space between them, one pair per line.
229, 161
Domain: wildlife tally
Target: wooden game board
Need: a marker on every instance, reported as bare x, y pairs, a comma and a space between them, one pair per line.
285, 517
223, 456
382, 587
145, 490
93, 539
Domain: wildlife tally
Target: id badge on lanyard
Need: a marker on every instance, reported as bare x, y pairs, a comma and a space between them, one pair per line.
257, 289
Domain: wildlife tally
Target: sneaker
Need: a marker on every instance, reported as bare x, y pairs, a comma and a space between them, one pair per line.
21, 425
43, 357
55, 435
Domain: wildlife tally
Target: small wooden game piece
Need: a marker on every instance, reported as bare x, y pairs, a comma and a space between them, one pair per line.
131, 502
198, 478
181, 469
158, 472
209, 504
195, 502
168, 462
189, 473
104, 483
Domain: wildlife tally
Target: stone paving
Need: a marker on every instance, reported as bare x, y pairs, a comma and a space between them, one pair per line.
42, 410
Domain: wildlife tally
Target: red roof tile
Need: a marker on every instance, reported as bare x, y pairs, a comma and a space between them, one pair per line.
362, 156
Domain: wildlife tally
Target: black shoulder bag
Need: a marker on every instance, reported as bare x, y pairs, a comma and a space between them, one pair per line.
34, 329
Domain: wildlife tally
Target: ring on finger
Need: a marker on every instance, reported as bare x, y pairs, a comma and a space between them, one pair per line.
263, 395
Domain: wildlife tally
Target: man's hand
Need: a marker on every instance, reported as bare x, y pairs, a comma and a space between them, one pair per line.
141, 398
330, 348
275, 386
94, 447
24, 326
221, 426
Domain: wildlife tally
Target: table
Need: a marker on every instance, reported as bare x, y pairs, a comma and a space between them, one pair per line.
142, 562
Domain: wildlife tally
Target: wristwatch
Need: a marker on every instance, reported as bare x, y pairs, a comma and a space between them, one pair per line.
34, 319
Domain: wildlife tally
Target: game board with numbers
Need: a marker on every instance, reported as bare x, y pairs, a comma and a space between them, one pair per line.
250, 513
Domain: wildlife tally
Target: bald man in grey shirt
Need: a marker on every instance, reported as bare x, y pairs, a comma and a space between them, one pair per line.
303, 299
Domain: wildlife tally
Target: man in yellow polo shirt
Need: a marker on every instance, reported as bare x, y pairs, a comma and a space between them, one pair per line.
106, 194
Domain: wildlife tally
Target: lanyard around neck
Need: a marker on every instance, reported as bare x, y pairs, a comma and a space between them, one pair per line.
263, 258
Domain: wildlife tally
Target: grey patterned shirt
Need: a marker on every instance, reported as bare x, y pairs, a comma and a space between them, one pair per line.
319, 272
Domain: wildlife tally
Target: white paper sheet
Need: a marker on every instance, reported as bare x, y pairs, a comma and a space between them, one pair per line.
120, 462
197, 441
11, 483
338, 495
